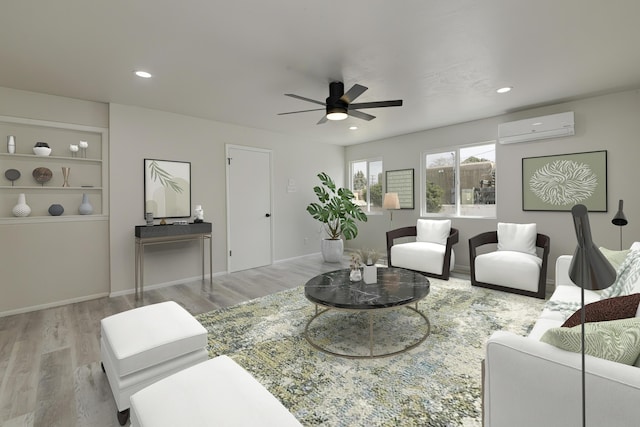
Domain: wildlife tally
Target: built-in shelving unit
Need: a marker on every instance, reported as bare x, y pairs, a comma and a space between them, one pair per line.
88, 170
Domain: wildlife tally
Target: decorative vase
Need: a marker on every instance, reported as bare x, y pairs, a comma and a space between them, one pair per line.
198, 213
21, 209
56, 210
11, 144
83, 147
332, 250
85, 207
370, 274
355, 275
65, 175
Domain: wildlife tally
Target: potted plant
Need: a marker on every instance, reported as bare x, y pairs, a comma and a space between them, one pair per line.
336, 210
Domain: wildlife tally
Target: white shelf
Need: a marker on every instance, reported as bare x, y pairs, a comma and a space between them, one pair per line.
33, 156
91, 170
45, 187
47, 219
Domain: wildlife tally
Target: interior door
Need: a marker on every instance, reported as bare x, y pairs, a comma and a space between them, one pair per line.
249, 230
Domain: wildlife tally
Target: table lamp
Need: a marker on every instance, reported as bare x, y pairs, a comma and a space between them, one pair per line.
391, 202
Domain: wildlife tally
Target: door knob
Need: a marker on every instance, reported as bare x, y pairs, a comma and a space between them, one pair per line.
267, 215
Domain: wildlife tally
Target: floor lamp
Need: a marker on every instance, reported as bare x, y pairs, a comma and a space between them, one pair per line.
620, 220
590, 270
391, 202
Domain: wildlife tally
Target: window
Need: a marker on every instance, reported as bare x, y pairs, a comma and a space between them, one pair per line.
366, 184
460, 182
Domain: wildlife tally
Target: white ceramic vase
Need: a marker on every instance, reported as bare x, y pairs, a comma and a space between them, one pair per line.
21, 209
332, 250
370, 274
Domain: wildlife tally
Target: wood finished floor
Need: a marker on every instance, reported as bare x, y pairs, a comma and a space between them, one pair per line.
50, 359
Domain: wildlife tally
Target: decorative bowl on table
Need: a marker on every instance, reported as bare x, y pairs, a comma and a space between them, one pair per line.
41, 149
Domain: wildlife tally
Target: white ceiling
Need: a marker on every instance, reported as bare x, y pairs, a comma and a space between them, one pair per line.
232, 61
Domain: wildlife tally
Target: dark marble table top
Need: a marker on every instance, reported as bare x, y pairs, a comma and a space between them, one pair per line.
395, 287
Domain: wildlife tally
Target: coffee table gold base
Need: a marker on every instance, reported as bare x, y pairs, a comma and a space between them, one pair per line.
371, 355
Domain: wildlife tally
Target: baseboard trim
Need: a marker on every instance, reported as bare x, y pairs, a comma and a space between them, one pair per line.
296, 257
52, 304
166, 284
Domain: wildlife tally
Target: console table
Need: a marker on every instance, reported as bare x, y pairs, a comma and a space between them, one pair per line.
162, 234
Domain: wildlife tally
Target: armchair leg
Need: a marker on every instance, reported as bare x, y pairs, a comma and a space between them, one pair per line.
123, 416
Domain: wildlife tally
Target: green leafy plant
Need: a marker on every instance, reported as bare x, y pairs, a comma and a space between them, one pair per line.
335, 209
434, 197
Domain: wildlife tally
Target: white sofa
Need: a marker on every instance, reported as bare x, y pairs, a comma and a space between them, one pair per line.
531, 383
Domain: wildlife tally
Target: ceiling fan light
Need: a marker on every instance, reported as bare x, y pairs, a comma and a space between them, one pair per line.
337, 116
336, 112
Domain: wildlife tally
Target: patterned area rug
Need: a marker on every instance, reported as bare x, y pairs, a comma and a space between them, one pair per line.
435, 384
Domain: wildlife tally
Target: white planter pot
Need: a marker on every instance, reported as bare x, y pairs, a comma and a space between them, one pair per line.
370, 274
332, 250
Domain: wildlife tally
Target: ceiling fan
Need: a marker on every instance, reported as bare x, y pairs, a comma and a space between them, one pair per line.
339, 104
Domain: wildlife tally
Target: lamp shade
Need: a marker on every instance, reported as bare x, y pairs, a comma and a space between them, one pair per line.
589, 268
619, 219
391, 201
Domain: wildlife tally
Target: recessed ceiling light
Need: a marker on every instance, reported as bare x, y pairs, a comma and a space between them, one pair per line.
504, 89
143, 74
353, 127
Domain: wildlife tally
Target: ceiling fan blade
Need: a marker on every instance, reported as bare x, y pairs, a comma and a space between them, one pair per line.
379, 104
304, 99
301, 111
322, 120
355, 91
360, 115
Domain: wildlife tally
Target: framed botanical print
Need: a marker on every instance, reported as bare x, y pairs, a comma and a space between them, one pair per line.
167, 188
557, 183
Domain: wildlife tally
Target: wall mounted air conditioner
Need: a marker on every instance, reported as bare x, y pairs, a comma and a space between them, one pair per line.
553, 126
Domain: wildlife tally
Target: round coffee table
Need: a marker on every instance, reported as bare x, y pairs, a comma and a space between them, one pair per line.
395, 288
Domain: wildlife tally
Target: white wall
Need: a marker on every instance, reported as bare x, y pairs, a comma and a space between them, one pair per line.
138, 133
609, 122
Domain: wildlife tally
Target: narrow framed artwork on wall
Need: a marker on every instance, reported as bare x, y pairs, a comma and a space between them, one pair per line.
559, 182
167, 188
401, 182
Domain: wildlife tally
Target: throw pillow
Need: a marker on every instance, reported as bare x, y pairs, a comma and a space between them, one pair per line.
627, 277
615, 258
615, 340
615, 308
517, 237
433, 231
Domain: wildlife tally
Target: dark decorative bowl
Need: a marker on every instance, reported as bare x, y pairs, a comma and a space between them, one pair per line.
56, 210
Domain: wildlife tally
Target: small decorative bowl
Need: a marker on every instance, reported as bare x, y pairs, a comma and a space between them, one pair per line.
41, 151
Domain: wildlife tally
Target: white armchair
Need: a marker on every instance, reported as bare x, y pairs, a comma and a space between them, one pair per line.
432, 252
515, 266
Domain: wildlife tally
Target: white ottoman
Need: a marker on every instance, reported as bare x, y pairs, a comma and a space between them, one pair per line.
218, 392
141, 346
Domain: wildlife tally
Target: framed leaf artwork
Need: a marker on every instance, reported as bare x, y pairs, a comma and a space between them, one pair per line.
167, 188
